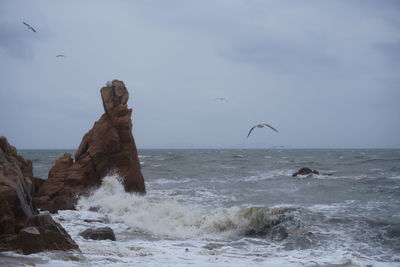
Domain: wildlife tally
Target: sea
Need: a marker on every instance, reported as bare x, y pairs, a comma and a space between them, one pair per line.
233, 207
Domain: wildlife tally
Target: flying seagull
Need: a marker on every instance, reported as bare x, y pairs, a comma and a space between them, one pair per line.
61, 55
220, 99
261, 126
29, 26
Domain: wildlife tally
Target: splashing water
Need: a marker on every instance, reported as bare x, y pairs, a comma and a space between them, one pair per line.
178, 220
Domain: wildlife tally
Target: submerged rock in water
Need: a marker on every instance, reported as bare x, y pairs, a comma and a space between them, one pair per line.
271, 222
108, 148
101, 233
305, 171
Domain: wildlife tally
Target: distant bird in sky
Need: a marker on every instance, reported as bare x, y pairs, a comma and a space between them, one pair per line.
61, 55
220, 99
29, 26
261, 126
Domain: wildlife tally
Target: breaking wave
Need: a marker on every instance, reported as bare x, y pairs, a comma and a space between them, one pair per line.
173, 219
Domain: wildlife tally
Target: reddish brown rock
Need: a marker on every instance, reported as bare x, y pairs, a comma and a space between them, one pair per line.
15, 189
21, 228
108, 148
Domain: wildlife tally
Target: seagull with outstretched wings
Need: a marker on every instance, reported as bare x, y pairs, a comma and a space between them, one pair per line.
261, 126
29, 26
61, 55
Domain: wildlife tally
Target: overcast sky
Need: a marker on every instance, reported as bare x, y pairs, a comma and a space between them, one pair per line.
326, 74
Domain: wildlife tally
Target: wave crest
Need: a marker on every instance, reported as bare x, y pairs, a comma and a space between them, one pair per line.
168, 217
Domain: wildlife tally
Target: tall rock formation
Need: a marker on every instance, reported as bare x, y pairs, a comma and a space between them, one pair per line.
108, 148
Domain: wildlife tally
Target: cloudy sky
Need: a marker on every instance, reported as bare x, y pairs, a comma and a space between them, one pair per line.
324, 73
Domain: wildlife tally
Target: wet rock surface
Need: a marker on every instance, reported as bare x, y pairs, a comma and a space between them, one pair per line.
305, 171
42, 233
15, 189
101, 233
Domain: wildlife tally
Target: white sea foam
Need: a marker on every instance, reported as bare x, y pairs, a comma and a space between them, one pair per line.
282, 161
170, 181
267, 175
185, 226
228, 167
317, 176
171, 218
155, 230
144, 156
161, 218
331, 208
156, 165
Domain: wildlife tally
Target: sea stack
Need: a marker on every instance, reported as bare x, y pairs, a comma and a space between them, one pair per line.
108, 148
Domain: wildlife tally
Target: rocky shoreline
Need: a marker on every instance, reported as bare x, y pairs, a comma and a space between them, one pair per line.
108, 148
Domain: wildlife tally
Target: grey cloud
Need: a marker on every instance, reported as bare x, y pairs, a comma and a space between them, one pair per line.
391, 52
330, 65
278, 55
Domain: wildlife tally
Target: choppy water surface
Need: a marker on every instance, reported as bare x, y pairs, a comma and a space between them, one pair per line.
240, 207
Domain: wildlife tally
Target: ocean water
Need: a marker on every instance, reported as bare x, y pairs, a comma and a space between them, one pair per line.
239, 208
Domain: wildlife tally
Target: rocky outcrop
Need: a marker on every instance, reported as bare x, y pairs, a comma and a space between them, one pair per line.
15, 189
305, 171
21, 227
41, 233
108, 148
101, 233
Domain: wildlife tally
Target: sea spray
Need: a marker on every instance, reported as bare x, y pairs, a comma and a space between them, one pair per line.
348, 218
173, 219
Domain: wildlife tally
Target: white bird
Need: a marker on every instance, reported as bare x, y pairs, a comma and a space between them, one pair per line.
220, 99
261, 126
29, 26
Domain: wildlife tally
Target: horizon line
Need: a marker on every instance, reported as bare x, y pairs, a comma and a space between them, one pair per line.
225, 148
